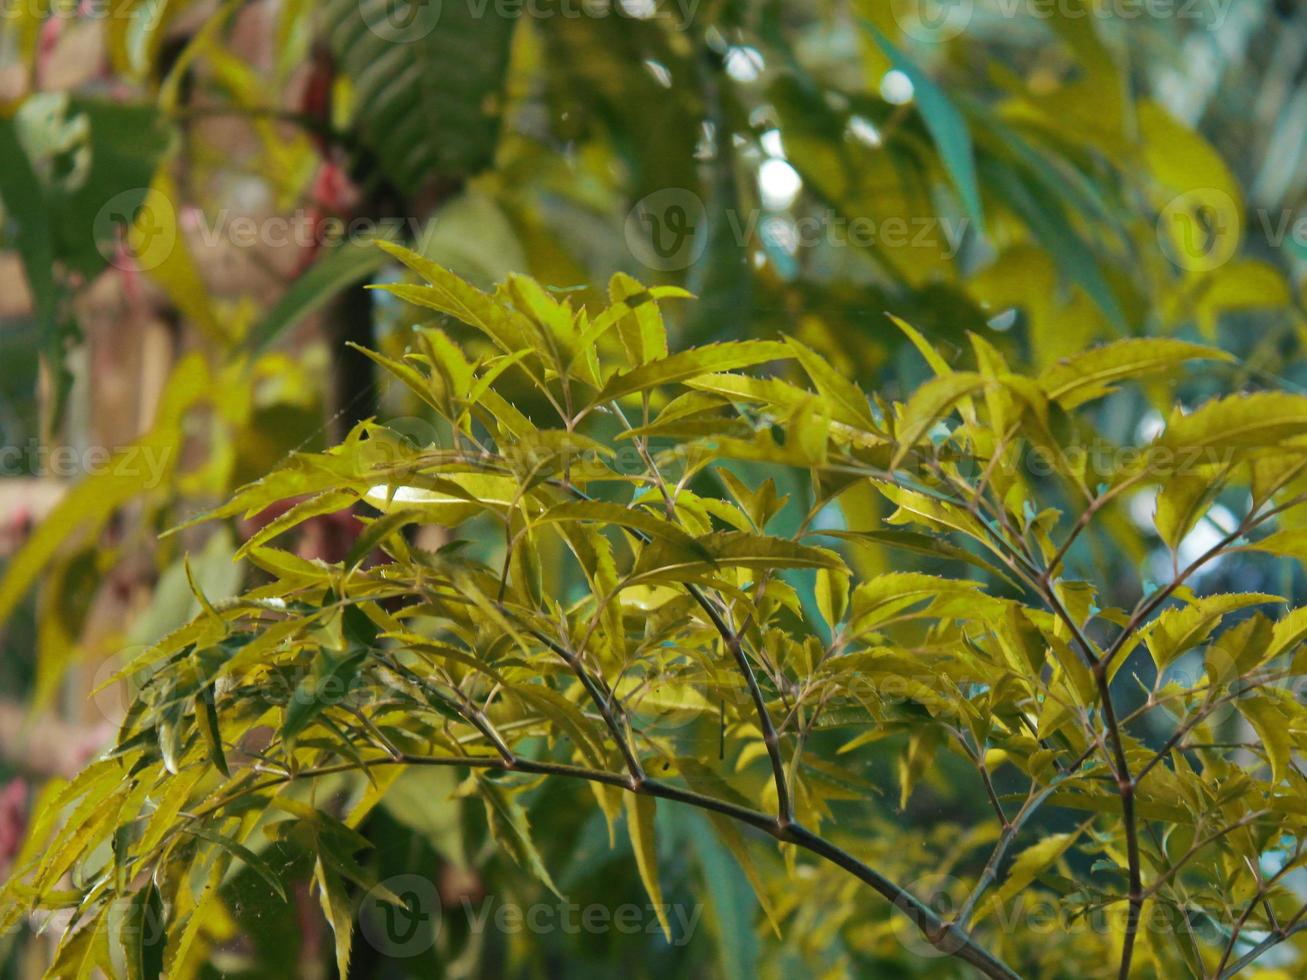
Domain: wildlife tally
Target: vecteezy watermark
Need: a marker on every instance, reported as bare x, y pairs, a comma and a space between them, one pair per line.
940, 20
1285, 229
933, 20
400, 917
544, 918
1200, 230
136, 229
406, 21
149, 464
833, 230
1203, 229
1108, 459
667, 230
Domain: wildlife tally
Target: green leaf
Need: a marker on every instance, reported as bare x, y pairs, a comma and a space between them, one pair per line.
917, 755
242, 853
922, 544
209, 729
81, 951
512, 831
1287, 633
422, 120
692, 363
1181, 503
337, 908
1180, 629
634, 518
377, 531
332, 674
141, 935
1238, 422
928, 404
1273, 732
640, 810
642, 330
832, 593
728, 891
1032, 862
449, 499
946, 125
665, 561
1073, 381
448, 293
344, 267
848, 403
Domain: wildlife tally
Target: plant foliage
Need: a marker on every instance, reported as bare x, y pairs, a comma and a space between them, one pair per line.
728, 654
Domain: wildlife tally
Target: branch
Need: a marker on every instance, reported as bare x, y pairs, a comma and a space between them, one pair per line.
734, 643
990, 873
947, 937
1276, 937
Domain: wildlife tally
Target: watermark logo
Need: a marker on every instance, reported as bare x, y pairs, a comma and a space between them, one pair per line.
932, 21
402, 929
400, 21
936, 892
667, 706
544, 918
113, 696
1199, 230
667, 230
136, 229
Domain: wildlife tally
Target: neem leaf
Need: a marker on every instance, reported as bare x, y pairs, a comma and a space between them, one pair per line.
946, 125
692, 363
640, 810
336, 906
512, 831
1238, 422
141, 934
665, 561
1180, 629
1073, 381
930, 403
244, 854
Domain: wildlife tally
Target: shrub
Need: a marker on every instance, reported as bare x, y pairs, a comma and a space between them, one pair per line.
635, 608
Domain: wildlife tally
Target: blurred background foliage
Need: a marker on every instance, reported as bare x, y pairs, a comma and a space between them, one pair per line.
189, 189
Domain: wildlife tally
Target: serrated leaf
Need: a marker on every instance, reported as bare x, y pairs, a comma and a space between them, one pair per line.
418, 117
1073, 381
244, 854
640, 810
1181, 502
665, 561
140, 935
928, 404
1273, 732
832, 594
512, 831
641, 328
337, 908
689, 364
1238, 422
210, 731
448, 293
848, 403
1178, 630
1031, 862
